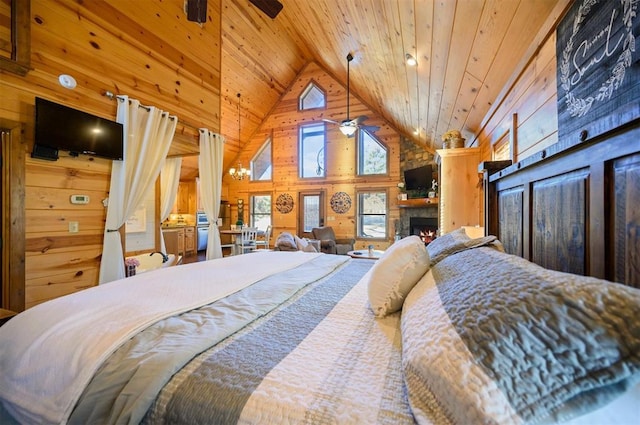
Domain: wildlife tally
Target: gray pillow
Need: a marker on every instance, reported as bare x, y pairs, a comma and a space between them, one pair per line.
489, 337
456, 241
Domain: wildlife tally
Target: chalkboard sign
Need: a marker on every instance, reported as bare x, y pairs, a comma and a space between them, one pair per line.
598, 69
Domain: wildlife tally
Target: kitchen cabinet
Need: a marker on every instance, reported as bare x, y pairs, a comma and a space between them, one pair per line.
189, 240
460, 188
180, 240
186, 198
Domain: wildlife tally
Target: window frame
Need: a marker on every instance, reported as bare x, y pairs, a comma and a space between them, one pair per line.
301, 128
359, 153
359, 214
252, 214
268, 141
306, 90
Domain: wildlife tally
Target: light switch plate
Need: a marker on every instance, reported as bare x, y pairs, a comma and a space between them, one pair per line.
74, 227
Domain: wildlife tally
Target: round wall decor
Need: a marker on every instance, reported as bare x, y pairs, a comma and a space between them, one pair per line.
284, 203
340, 202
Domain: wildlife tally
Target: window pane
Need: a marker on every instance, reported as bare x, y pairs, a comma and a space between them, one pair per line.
372, 215
373, 226
311, 212
260, 211
312, 138
261, 163
372, 155
312, 98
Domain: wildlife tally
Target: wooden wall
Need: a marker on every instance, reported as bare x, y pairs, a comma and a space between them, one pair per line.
145, 49
282, 126
59, 262
526, 115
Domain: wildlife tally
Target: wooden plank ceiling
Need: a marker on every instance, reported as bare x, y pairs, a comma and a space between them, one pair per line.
467, 50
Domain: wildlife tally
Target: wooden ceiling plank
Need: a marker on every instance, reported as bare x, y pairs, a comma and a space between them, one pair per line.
465, 26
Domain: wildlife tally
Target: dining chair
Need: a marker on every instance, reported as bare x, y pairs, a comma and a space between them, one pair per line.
264, 243
247, 240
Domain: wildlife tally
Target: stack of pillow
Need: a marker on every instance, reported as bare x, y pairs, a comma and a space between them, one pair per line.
288, 242
489, 337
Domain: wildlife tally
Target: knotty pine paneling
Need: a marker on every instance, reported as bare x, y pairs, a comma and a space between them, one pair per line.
58, 262
282, 126
146, 50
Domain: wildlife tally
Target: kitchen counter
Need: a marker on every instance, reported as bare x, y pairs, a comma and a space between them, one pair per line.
177, 226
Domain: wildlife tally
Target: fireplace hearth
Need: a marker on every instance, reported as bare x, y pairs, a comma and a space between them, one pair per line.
426, 228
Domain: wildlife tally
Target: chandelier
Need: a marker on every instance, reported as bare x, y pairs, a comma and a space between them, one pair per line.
239, 173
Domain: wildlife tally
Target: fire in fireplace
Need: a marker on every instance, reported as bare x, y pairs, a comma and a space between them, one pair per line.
426, 228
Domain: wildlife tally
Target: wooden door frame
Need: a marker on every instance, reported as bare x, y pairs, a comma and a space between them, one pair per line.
13, 220
323, 215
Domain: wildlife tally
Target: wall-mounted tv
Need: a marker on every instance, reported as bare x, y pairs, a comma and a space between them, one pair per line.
59, 127
418, 178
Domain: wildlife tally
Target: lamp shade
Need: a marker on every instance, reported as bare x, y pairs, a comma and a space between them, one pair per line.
347, 130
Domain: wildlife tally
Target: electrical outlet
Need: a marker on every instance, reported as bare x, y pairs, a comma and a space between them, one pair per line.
74, 227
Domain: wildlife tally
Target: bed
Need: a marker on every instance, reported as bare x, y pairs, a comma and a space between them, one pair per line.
460, 332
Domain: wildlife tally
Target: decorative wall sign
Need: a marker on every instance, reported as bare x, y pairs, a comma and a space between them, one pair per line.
340, 202
284, 203
598, 75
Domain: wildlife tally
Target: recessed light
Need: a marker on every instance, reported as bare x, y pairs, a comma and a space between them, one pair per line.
411, 61
67, 81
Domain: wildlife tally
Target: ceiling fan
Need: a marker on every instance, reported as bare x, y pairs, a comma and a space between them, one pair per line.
349, 126
196, 10
271, 8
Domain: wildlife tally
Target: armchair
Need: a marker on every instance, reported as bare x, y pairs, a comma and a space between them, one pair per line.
328, 242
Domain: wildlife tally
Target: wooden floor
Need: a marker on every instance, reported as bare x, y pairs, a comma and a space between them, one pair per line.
201, 256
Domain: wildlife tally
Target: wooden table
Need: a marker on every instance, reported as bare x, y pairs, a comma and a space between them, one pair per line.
364, 253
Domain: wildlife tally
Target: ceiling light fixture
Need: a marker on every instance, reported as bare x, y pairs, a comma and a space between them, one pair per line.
67, 81
239, 173
347, 129
411, 61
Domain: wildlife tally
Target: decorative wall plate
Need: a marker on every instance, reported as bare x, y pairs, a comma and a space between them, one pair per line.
340, 202
284, 203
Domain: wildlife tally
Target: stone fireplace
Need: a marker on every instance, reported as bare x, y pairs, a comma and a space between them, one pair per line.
425, 227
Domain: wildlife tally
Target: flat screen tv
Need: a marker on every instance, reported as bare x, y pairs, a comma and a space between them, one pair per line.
418, 178
59, 127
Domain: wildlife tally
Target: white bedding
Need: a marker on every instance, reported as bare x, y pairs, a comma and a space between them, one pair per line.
34, 386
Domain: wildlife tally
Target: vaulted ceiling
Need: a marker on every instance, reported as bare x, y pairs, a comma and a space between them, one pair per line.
467, 50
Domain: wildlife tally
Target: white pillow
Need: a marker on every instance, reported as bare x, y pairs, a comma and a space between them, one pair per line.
395, 274
285, 240
304, 245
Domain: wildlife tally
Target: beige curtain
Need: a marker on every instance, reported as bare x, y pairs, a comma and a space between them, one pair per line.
169, 181
148, 133
210, 164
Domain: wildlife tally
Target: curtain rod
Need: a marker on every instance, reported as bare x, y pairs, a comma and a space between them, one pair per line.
112, 96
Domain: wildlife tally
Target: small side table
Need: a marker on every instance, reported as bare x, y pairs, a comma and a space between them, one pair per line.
364, 253
5, 315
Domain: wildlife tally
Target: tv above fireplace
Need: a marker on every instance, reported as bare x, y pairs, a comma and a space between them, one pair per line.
418, 178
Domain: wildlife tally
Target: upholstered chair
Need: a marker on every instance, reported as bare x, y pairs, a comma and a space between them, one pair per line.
328, 242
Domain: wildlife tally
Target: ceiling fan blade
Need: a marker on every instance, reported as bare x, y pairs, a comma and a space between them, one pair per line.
331, 121
359, 120
271, 8
370, 128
